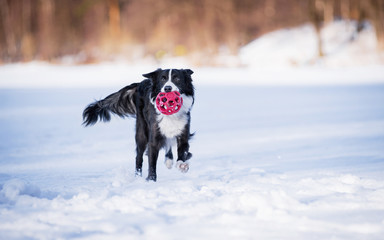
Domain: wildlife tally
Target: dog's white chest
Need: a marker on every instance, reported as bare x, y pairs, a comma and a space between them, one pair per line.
173, 125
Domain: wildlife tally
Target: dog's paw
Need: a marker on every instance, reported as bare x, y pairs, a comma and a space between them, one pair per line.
168, 163
138, 173
151, 178
182, 166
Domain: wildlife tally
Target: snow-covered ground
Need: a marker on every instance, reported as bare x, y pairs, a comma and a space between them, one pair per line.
292, 161
279, 153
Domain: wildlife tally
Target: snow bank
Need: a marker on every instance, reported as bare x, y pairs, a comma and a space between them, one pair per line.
287, 47
295, 47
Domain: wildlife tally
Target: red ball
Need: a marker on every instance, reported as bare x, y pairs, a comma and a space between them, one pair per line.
169, 103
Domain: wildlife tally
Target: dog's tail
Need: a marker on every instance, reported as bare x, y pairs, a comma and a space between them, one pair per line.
121, 103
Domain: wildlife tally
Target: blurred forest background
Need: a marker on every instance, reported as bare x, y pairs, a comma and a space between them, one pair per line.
96, 30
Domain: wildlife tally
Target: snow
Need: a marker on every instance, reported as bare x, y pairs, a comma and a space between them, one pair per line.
295, 47
292, 162
290, 154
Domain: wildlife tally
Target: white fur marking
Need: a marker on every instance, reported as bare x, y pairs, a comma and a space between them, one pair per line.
169, 163
182, 166
172, 125
168, 146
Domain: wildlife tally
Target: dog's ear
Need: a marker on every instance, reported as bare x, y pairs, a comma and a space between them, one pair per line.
188, 71
187, 74
152, 75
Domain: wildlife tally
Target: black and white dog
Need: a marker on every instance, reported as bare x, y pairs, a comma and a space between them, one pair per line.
154, 130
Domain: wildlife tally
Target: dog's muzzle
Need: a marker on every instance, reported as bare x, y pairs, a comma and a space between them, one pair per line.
169, 103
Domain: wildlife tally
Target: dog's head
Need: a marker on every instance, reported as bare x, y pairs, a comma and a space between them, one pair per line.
168, 80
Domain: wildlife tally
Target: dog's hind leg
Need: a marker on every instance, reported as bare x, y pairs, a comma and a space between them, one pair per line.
140, 149
141, 145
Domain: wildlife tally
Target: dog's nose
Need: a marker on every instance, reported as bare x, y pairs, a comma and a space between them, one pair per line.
167, 88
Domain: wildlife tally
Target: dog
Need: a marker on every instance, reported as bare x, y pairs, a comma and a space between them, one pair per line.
154, 130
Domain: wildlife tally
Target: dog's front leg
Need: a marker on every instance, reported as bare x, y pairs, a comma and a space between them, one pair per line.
183, 154
153, 153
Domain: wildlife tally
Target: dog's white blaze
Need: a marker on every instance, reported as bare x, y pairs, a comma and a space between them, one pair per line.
172, 125
170, 83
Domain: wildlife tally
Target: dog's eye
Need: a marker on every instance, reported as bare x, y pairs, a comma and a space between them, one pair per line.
176, 79
163, 79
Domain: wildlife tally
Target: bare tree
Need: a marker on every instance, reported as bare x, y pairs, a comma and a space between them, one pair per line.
377, 8
10, 38
28, 48
114, 19
316, 17
329, 6
45, 38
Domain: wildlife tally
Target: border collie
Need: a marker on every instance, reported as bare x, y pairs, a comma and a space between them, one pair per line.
154, 130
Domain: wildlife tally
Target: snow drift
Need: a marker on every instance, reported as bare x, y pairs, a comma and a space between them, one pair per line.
342, 45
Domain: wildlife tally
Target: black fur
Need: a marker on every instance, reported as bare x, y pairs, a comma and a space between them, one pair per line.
135, 101
119, 103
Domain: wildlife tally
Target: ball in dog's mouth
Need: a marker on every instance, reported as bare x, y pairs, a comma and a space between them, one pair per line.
169, 103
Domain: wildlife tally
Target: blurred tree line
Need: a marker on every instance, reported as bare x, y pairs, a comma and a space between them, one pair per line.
97, 29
